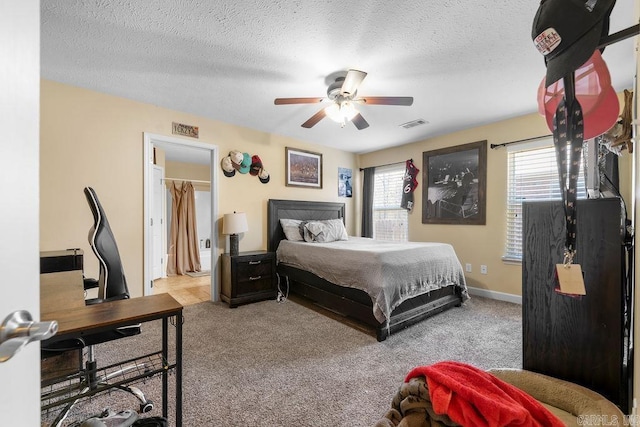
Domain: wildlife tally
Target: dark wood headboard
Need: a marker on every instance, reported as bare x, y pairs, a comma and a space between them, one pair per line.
297, 209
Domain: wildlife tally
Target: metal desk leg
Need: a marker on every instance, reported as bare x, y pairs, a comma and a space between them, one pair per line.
165, 358
179, 369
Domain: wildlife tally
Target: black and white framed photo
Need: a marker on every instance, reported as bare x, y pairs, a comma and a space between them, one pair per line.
454, 182
304, 168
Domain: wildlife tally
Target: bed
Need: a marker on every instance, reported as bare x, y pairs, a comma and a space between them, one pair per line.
348, 300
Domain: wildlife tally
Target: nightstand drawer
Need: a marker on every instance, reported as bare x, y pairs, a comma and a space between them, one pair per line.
254, 268
254, 284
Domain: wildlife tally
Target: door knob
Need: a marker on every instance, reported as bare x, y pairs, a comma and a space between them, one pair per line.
18, 329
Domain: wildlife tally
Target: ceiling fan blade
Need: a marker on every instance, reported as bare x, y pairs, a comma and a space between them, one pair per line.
314, 119
360, 122
352, 82
284, 101
387, 100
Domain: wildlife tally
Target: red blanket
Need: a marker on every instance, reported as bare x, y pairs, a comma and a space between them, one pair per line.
473, 397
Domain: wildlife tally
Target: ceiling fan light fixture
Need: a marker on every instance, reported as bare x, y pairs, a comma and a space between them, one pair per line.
343, 96
348, 110
341, 112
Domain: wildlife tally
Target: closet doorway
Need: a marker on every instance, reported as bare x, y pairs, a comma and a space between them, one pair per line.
180, 157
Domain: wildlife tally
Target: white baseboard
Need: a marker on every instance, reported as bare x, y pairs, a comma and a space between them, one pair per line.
500, 296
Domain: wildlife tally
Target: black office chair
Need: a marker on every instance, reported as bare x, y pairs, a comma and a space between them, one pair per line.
112, 282
112, 285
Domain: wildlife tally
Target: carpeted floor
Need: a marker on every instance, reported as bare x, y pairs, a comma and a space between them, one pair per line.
284, 364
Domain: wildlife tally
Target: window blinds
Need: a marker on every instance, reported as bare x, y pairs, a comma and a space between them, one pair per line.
532, 175
389, 219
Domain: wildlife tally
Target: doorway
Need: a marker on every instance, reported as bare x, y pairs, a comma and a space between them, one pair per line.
181, 150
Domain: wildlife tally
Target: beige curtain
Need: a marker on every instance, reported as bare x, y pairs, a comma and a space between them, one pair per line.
184, 254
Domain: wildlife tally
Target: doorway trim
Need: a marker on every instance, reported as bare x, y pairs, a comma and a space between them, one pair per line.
148, 144
163, 233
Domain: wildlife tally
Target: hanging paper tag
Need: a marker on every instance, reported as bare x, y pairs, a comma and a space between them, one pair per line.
570, 280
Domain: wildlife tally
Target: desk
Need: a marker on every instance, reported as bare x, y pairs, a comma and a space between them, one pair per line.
75, 319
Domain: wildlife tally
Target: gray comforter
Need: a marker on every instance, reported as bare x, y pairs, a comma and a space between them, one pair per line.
390, 272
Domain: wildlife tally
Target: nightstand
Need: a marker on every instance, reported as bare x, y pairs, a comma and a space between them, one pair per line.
248, 277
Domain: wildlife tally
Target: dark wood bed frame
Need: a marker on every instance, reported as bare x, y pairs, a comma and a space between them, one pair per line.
349, 302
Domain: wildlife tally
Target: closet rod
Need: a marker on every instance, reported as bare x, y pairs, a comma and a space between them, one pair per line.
388, 164
186, 179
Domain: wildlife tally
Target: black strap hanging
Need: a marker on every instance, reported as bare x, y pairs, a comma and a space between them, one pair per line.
568, 134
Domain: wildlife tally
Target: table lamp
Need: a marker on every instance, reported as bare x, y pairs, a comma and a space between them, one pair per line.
233, 224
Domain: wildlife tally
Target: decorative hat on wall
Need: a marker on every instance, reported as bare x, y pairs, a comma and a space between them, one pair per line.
263, 176
241, 161
256, 165
227, 167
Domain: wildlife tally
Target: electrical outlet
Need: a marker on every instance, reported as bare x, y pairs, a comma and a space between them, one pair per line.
467, 267
483, 269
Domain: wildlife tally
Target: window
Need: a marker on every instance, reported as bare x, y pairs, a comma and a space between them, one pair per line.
390, 221
532, 175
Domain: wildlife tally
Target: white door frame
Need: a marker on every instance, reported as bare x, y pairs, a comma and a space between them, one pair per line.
149, 139
163, 233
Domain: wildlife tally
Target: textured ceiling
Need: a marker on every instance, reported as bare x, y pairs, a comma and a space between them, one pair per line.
465, 62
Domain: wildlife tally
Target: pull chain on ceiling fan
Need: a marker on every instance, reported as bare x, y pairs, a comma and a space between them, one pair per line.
343, 96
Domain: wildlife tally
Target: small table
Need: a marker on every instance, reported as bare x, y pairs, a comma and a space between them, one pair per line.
62, 299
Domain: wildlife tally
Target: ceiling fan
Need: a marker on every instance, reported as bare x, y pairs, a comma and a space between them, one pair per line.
343, 96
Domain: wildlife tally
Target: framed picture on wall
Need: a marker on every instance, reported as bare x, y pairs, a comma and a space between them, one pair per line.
454, 183
345, 182
304, 168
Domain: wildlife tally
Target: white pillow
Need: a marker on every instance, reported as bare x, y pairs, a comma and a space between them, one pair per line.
325, 231
291, 228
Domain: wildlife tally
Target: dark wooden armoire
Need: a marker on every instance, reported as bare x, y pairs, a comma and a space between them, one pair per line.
586, 340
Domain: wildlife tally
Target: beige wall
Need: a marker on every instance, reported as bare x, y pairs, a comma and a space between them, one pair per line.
475, 244
92, 139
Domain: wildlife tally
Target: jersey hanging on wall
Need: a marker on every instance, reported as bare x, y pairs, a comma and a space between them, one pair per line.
409, 184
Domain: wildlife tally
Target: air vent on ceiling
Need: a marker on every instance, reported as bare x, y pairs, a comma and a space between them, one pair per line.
414, 123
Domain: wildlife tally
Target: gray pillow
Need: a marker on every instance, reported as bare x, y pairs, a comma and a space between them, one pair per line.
325, 231
291, 228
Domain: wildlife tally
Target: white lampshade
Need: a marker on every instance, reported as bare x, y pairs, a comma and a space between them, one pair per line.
234, 223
